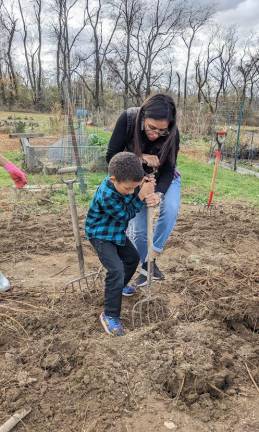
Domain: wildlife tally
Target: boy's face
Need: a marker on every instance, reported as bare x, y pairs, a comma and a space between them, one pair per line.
125, 187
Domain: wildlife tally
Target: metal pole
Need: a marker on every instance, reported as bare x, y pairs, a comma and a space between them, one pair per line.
240, 118
80, 171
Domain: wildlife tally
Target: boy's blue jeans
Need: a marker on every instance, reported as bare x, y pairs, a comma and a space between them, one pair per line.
169, 208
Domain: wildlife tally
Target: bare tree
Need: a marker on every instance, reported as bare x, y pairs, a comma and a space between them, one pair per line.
38, 14
9, 25
154, 35
66, 40
203, 70
99, 53
248, 70
178, 88
130, 11
32, 51
197, 17
214, 70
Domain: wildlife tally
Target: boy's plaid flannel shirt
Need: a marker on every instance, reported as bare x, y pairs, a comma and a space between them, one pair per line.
109, 213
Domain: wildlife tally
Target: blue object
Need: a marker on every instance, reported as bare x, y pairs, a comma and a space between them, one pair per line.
112, 325
128, 291
109, 213
81, 113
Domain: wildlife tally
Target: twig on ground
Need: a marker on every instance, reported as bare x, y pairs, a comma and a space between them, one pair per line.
60, 271
251, 377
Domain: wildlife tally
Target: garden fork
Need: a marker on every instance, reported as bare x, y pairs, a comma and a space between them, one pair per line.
150, 308
92, 280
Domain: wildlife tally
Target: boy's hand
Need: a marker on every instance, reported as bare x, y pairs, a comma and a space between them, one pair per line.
147, 188
153, 199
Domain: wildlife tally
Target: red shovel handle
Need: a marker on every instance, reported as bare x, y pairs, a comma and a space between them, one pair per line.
215, 172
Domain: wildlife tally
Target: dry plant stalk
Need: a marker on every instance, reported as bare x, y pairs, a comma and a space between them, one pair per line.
251, 377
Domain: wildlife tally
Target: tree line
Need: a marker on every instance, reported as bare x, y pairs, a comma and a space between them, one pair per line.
53, 51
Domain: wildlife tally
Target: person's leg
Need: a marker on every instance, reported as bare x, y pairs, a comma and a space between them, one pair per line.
114, 280
130, 258
138, 229
169, 209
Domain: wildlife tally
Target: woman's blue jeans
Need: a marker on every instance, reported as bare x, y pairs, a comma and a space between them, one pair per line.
169, 209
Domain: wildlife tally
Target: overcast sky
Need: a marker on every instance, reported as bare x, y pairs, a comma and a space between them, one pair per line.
242, 13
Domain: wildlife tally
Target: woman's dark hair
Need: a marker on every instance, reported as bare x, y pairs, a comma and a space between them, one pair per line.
157, 107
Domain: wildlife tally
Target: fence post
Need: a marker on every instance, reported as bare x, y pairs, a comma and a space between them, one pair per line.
240, 118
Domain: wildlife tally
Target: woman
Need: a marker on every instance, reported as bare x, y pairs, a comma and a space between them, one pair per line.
20, 181
151, 133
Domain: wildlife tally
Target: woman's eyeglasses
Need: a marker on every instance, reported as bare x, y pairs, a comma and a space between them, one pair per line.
160, 132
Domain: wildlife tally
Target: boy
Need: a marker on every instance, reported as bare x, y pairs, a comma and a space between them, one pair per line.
115, 202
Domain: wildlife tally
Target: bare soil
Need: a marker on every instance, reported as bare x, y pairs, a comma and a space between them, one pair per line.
8, 144
187, 372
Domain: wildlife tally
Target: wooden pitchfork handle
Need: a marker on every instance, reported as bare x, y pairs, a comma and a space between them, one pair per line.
75, 224
150, 216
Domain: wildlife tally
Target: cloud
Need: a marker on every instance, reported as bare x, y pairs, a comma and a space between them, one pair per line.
244, 15
222, 5
228, 4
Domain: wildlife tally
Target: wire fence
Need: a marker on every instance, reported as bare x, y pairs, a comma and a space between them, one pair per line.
239, 118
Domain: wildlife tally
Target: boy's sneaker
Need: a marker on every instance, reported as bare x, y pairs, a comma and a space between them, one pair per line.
4, 283
128, 291
112, 325
141, 280
157, 274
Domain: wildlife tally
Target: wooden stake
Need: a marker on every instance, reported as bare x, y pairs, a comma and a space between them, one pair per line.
14, 420
251, 377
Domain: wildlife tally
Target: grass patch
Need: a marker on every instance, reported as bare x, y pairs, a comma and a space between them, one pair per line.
196, 178
49, 123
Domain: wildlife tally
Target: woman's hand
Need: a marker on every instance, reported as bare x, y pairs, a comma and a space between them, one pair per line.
153, 199
151, 160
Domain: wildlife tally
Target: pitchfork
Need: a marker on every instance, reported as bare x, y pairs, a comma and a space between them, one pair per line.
93, 280
151, 308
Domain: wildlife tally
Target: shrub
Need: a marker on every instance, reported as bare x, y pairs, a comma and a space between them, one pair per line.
97, 140
19, 126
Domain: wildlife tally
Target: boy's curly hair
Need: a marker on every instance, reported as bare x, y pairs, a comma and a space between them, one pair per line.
125, 166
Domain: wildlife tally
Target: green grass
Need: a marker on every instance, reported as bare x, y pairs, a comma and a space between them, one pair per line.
44, 125
43, 120
196, 178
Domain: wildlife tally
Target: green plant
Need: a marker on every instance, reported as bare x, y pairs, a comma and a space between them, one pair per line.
97, 140
19, 126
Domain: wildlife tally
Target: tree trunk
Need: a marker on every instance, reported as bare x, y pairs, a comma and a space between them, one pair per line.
178, 89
